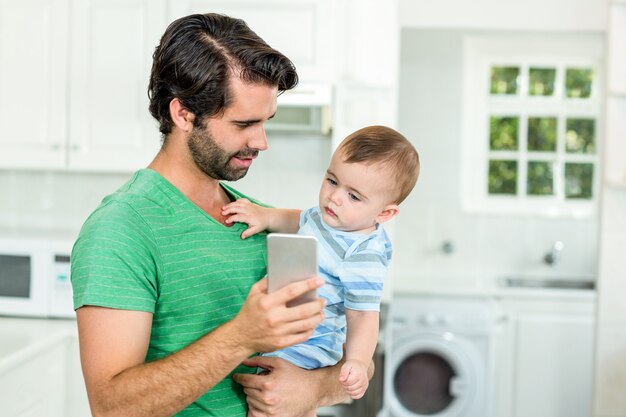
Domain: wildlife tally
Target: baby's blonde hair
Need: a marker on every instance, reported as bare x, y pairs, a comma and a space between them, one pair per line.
384, 146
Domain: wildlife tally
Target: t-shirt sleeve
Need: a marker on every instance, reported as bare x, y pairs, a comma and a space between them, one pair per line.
362, 276
114, 261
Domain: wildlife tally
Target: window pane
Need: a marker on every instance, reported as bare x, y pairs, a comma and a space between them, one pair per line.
580, 136
541, 81
503, 133
502, 177
542, 134
578, 82
540, 178
504, 80
578, 180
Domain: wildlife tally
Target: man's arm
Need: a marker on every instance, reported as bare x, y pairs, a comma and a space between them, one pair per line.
287, 390
113, 345
260, 218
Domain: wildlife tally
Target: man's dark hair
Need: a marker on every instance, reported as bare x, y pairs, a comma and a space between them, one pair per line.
195, 58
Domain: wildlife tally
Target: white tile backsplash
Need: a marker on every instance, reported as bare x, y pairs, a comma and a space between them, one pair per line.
52, 200
289, 174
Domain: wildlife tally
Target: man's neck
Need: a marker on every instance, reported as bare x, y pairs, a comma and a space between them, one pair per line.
202, 190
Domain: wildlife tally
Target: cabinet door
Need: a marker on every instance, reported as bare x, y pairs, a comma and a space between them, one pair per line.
111, 55
33, 56
303, 30
551, 352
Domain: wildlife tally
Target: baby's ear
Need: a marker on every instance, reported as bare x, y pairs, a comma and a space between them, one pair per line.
389, 212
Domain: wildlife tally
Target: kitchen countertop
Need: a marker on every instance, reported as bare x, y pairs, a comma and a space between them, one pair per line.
498, 291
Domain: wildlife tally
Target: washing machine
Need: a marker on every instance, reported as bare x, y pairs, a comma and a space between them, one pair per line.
440, 357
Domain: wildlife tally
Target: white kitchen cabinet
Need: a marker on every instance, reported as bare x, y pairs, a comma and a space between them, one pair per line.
33, 388
40, 371
370, 42
33, 83
546, 357
74, 83
303, 30
110, 127
366, 90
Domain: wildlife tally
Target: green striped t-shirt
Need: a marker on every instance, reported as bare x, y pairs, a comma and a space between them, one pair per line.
149, 248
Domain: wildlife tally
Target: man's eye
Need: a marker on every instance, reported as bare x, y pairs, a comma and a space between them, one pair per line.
354, 197
331, 181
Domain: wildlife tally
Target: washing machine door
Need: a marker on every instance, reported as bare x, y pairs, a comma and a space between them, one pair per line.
432, 375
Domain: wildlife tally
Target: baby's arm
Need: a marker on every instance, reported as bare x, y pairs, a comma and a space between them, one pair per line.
361, 339
261, 218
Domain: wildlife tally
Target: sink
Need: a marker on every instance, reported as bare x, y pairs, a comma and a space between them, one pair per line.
556, 283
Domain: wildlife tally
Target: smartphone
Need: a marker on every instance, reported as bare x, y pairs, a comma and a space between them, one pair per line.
291, 258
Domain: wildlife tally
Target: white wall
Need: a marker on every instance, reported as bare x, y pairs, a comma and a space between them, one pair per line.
486, 246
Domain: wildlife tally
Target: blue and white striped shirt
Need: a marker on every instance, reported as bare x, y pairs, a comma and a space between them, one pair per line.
353, 266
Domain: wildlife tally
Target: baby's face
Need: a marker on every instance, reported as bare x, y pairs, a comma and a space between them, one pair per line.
353, 195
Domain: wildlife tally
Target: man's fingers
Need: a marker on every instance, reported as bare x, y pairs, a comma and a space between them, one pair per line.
296, 289
249, 380
264, 362
260, 286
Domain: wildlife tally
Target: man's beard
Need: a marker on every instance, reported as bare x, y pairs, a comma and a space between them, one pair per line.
212, 159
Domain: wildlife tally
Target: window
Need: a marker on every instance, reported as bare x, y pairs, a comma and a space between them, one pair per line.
531, 126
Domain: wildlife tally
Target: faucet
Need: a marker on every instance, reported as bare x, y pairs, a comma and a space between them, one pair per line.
554, 256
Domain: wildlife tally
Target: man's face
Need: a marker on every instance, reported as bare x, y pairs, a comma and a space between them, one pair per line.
226, 146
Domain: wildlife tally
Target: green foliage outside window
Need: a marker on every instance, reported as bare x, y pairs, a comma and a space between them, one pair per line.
578, 180
502, 177
578, 82
540, 178
504, 80
503, 133
542, 134
580, 136
541, 81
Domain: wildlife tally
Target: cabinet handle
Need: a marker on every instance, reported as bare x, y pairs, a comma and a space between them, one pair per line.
74, 147
55, 146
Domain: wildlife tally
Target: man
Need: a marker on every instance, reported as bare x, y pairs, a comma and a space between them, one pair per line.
169, 299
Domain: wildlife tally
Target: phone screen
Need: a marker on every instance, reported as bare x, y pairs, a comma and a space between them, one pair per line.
291, 258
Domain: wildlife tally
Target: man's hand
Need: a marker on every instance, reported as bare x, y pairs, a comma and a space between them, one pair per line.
354, 378
284, 390
243, 211
265, 323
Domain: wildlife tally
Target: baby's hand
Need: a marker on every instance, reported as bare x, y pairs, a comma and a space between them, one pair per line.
243, 211
354, 379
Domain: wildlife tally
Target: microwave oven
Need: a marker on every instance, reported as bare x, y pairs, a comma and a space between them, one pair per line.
35, 278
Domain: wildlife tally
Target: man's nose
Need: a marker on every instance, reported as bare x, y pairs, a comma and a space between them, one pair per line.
258, 140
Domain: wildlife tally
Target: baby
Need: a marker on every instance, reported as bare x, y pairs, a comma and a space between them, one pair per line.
372, 171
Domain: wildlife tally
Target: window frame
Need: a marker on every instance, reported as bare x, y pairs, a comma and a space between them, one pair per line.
481, 53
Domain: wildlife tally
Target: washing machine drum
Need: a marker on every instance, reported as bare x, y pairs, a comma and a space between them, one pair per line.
436, 376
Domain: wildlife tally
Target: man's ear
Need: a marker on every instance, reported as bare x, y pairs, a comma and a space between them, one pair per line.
181, 116
389, 212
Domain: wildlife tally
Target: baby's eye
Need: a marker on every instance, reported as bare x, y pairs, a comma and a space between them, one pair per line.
331, 181
354, 197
